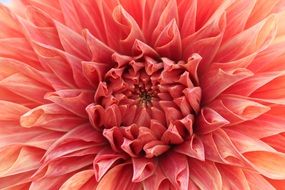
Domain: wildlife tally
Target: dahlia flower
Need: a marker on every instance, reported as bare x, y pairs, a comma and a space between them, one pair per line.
146, 94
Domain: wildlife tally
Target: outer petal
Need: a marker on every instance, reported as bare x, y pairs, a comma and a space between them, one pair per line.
143, 168
175, 167
74, 100
205, 175
78, 180
119, 178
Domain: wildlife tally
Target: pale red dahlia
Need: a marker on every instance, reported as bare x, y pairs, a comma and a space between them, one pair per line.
142, 94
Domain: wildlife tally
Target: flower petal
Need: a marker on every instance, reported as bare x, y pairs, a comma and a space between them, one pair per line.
119, 178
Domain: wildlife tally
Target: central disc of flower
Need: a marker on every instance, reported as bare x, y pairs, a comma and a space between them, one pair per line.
146, 106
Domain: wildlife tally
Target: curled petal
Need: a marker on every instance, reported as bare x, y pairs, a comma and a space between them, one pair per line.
142, 49
169, 41
210, 120
114, 137
176, 169
103, 161
155, 148
194, 97
142, 169
193, 148
153, 25
128, 26
172, 135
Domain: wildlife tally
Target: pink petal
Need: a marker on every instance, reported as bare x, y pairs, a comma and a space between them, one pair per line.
237, 109
11, 111
233, 178
68, 39
50, 116
25, 87
23, 160
268, 164
193, 148
78, 180
235, 48
176, 169
186, 10
256, 181
62, 166
10, 27
104, 161
169, 41
221, 80
142, 169
74, 101
119, 178
205, 175
210, 120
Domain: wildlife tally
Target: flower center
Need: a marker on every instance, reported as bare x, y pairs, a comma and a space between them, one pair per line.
144, 106
145, 97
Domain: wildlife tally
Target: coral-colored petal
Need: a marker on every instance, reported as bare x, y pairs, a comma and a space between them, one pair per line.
257, 181
193, 148
205, 174
50, 183
235, 48
168, 42
10, 27
11, 111
176, 169
219, 80
68, 39
142, 169
78, 180
233, 178
25, 87
237, 109
267, 163
103, 161
119, 178
50, 116
210, 120
22, 160
74, 100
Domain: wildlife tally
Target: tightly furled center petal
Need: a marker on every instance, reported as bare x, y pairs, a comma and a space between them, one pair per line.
143, 105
